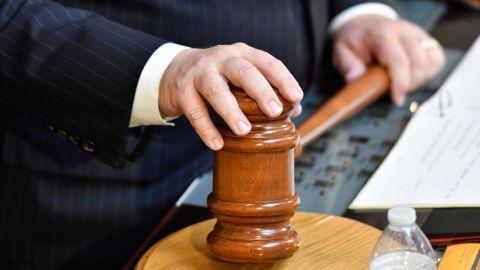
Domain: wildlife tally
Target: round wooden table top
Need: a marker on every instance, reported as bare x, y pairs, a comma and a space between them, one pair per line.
328, 242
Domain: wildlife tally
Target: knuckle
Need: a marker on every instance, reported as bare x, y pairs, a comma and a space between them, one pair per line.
221, 51
230, 115
180, 83
245, 71
214, 89
205, 129
273, 63
197, 64
196, 113
241, 45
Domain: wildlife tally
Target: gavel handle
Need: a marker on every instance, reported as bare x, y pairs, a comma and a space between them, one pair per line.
348, 101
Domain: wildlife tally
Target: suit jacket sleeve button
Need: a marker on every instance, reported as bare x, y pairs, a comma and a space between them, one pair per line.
62, 133
74, 139
88, 146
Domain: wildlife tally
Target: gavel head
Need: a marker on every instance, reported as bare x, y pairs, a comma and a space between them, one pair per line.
253, 194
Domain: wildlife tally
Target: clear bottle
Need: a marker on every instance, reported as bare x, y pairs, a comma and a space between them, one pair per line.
403, 246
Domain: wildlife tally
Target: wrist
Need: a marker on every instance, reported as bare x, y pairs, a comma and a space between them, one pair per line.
167, 105
145, 105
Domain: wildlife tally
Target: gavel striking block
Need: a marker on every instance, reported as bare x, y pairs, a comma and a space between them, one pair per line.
253, 194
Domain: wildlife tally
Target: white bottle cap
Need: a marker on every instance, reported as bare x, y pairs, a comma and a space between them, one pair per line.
401, 216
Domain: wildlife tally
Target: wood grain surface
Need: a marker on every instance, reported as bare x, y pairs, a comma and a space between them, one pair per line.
253, 195
349, 100
328, 242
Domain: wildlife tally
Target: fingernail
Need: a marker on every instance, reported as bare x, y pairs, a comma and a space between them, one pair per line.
275, 108
297, 93
242, 127
400, 100
216, 144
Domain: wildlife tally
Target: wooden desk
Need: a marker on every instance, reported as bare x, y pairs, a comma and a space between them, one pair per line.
328, 242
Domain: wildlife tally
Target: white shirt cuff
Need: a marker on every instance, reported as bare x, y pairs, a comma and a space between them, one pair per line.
359, 10
145, 110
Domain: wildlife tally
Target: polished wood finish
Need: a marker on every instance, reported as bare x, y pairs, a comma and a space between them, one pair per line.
328, 242
348, 101
253, 194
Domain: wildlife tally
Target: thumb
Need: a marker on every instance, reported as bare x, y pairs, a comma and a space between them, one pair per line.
348, 63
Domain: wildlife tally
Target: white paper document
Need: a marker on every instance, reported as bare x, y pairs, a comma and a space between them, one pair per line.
436, 161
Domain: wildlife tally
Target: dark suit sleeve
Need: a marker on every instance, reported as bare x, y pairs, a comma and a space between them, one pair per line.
338, 6
72, 70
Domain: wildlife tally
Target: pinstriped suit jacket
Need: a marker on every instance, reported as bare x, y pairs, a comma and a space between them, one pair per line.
68, 72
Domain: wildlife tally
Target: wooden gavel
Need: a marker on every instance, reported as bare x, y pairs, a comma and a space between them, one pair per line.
253, 194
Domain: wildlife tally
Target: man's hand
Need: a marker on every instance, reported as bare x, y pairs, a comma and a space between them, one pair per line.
198, 75
411, 56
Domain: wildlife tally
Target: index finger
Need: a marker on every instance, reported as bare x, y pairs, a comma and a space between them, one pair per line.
275, 72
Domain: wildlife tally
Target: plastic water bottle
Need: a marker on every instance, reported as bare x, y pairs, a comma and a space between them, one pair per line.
403, 246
